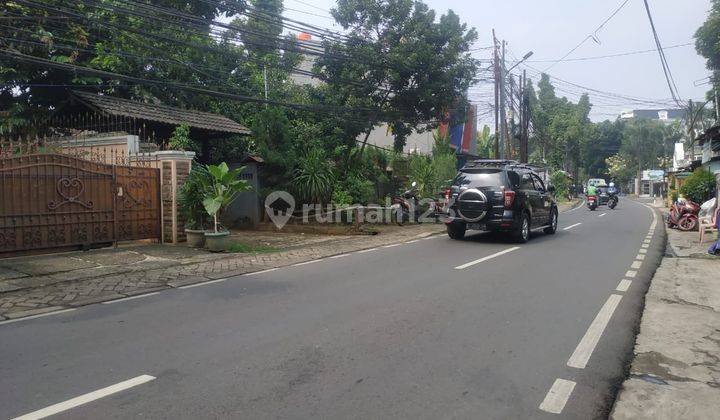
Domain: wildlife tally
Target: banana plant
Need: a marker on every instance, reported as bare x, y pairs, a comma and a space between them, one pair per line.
225, 186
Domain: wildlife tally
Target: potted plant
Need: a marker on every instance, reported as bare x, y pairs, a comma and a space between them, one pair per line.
225, 185
190, 200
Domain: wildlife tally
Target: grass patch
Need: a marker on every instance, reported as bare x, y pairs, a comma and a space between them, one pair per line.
251, 249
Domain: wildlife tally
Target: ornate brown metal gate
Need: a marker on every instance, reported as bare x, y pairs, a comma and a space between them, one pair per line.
59, 201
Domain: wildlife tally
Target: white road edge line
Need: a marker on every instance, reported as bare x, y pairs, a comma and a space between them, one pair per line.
585, 348
642, 251
367, 250
624, 285
86, 398
631, 274
261, 272
602, 215
640, 257
205, 283
307, 262
391, 245
413, 241
557, 396
573, 209
489, 257
646, 246
25, 318
572, 226
636, 264
340, 256
110, 302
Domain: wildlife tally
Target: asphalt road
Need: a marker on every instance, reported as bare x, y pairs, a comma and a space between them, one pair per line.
396, 332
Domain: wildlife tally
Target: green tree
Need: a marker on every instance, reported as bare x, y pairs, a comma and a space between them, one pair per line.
561, 128
707, 40
400, 59
620, 169
120, 38
642, 144
485, 143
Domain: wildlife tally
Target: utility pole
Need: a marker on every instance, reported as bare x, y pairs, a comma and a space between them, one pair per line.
496, 69
266, 83
503, 120
717, 108
525, 121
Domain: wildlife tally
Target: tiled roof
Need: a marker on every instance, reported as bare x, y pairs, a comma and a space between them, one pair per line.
160, 113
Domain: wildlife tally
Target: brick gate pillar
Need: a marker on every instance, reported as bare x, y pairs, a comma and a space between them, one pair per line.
174, 170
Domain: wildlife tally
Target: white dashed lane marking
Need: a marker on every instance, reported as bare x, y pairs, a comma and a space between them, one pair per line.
557, 396
631, 274
572, 226
86, 398
624, 285
489, 257
585, 348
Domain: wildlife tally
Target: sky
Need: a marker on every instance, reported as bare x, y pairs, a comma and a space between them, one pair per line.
551, 28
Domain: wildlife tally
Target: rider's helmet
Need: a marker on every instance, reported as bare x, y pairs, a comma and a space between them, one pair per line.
612, 184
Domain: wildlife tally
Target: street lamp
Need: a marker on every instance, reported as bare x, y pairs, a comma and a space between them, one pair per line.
525, 57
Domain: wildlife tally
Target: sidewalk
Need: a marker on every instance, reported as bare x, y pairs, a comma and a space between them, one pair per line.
675, 373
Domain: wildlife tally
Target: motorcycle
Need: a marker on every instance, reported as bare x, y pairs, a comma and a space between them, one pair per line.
406, 205
613, 200
592, 202
684, 216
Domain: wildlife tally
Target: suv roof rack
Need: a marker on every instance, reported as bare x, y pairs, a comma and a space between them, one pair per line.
489, 162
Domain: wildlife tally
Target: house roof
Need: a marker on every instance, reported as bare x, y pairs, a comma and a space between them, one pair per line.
160, 113
712, 134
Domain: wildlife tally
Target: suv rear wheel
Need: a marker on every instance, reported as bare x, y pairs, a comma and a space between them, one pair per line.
456, 231
522, 232
552, 227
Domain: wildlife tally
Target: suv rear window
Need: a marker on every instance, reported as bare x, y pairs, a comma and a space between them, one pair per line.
480, 178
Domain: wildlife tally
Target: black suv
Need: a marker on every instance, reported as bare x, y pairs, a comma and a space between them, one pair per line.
501, 196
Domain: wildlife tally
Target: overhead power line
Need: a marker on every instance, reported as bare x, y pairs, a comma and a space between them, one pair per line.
598, 57
591, 35
663, 60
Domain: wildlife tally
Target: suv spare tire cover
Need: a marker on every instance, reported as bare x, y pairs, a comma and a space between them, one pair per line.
472, 205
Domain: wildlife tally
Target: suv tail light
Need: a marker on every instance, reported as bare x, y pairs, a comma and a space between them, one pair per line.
508, 198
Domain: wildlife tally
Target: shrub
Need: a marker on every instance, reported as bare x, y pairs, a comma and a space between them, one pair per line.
313, 178
561, 182
341, 197
191, 196
699, 186
225, 185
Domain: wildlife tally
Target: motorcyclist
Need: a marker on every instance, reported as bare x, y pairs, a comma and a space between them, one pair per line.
591, 190
611, 189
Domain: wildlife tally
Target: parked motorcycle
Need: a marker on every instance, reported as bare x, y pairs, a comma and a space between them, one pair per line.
684, 216
592, 202
407, 205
